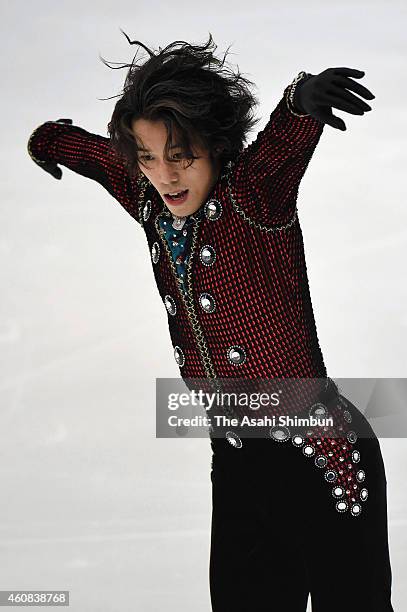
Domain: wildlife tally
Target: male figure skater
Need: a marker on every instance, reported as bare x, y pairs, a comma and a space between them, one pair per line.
293, 514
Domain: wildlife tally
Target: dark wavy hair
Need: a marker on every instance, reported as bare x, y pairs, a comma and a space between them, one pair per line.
200, 100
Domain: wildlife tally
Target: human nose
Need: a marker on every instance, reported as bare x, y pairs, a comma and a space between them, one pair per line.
167, 172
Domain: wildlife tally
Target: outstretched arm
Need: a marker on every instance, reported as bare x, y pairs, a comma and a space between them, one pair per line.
60, 142
266, 175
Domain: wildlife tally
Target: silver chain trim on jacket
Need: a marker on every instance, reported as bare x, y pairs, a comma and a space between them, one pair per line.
241, 212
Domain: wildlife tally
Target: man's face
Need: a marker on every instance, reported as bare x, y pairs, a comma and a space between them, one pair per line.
170, 176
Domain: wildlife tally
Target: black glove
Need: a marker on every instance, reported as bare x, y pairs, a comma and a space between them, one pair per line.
52, 167
317, 94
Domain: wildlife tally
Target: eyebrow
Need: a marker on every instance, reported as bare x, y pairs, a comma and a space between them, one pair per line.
140, 148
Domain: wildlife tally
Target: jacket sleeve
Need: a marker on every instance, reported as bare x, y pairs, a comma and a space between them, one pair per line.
265, 176
86, 154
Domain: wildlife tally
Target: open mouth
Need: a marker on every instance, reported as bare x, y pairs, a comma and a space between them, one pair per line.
177, 198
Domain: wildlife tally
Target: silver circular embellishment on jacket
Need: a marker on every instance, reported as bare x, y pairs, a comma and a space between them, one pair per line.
318, 410
178, 222
352, 437
360, 475
179, 355
338, 492
364, 494
308, 450
347, 416
233, 439
355, 456
213, 210
341, 506
147, 210
236, 355
170, 305
321, 461
330, 475
155, 252
356, 509
297, 440
207, 302
279, 433
207, 255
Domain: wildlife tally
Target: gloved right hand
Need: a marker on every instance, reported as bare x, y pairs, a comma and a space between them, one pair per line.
52, 167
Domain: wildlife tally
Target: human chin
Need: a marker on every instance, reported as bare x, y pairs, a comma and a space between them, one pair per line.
182, 210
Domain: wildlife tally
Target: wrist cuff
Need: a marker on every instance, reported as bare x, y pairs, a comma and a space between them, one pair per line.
290, 92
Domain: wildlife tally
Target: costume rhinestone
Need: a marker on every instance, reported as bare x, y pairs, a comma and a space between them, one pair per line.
330, 475
360, 475
147, 210
317, 410
364, 494
170, 305
179, 356
341, 506
308, 450
236, 355
213, 210
356, 509
321, 461
207, 255
178, 222
355, 456
233, 439
352, 437
338, 492
298, 440
155, 252
347, 416
280, 433
207, 302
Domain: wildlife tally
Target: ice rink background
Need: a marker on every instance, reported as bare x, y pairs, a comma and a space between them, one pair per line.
92, 502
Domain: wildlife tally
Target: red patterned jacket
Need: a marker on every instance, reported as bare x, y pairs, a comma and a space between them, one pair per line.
247, 252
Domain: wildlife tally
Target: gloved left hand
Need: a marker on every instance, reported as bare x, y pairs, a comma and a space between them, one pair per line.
320, 93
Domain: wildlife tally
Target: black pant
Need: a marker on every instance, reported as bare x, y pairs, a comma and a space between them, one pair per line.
277, 536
